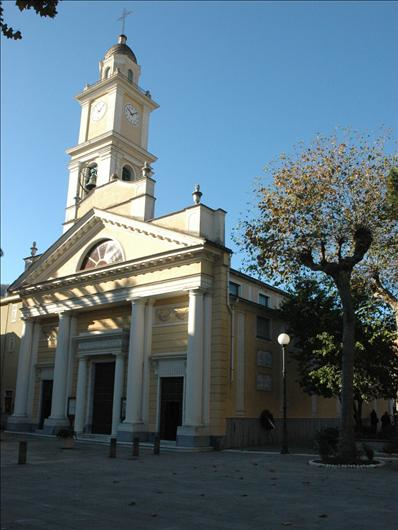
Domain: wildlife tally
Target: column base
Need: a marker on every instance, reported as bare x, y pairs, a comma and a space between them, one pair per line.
127, 431
20, 424
191, 436
52, 425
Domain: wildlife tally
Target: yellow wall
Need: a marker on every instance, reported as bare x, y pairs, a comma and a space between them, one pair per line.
95, 128
11, 332
127, 129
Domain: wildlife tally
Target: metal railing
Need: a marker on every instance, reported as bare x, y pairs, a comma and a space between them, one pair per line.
145, 93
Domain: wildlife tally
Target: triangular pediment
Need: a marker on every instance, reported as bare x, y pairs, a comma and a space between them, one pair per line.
137, 239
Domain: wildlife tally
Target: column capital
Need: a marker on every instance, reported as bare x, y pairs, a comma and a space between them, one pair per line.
137, 301
64, 313
196, 291
27, 319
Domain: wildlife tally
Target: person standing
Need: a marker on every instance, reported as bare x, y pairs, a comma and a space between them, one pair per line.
385, 422
374, 420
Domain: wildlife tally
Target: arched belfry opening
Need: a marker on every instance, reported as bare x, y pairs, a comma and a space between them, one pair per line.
128, 173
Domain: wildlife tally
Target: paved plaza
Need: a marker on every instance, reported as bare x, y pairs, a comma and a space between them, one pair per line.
84, 489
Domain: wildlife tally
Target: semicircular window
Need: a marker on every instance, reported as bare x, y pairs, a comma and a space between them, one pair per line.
104, 253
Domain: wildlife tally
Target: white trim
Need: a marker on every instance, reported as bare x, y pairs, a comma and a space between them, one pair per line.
178, 286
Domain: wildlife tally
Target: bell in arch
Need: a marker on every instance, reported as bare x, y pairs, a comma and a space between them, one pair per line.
90, 177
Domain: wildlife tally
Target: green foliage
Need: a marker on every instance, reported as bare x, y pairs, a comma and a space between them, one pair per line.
369, 452
314, 317
44, 8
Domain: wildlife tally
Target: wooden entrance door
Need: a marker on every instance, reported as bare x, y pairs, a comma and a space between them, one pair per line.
104, 377
46, 398
171, 392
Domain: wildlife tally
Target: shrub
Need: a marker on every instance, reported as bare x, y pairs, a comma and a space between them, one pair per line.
326, 442
65, 433
368, 452
392, 445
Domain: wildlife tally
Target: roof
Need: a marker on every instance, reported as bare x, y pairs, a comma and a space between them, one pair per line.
121, 48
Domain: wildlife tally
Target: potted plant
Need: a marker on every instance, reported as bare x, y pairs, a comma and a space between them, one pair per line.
67, 435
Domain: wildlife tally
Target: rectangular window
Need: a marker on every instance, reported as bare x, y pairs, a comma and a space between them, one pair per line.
263, 328
234, 289
264, 382
14, 312
263, 300
8, 401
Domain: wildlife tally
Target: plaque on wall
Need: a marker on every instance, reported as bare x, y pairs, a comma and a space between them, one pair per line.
264, 382
71, 406
264, 358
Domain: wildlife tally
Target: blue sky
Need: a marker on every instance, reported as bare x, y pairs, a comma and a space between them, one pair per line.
237, 83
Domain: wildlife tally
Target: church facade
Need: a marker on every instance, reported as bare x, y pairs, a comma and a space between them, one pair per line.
136, 325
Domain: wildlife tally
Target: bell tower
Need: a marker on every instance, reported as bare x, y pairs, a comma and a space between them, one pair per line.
111, 158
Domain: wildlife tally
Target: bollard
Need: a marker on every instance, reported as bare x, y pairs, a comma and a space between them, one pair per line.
156, 445
22, 451
112, 448
136, 446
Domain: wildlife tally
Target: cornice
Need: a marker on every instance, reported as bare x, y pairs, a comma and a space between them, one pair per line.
137, 266
111, 83
109, 138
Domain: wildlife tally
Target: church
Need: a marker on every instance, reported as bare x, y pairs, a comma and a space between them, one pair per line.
135, 325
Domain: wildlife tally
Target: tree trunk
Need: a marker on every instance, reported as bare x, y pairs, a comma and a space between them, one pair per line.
347, 449
358, 402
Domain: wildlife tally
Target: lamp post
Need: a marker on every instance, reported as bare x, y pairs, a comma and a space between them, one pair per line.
284, 340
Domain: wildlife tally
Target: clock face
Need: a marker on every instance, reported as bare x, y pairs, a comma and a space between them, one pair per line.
98, 110
131, 114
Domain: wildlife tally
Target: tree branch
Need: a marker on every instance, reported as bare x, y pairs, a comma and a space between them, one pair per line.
380, 291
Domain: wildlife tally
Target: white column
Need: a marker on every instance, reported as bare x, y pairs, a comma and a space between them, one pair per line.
32, 370
58, 403
21, 391
133, 420
117, 393
71, 359
147, 354
194, 375
81, 395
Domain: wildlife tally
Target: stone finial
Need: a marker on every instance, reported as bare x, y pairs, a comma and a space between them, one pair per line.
197, 194
33, 249
147, 170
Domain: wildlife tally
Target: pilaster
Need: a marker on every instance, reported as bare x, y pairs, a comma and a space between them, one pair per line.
81, 390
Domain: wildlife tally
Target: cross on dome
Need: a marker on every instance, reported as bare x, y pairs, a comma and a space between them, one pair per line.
125, 14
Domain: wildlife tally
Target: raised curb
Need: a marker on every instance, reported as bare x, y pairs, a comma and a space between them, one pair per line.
347, 466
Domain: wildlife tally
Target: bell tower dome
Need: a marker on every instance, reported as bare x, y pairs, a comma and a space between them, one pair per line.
113, 137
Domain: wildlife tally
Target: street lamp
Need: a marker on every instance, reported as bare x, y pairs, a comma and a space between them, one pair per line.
284, 340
